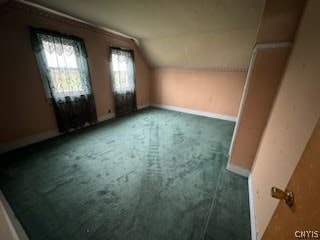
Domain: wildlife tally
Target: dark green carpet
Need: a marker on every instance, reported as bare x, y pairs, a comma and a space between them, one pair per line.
155, 174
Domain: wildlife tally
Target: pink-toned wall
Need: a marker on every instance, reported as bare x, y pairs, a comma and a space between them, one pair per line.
278, 24
304, 183
266, 74
209, 91
279, 20
24, 109
294, 115
6, 232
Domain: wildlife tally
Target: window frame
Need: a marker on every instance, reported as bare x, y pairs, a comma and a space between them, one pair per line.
59, 69
131, 52
40, 55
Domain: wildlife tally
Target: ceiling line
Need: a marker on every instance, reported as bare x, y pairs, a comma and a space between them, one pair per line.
108, 30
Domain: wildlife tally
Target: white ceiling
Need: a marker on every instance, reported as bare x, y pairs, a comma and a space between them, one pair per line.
177, 33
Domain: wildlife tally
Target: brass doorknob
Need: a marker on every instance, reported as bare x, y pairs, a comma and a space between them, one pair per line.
286, 195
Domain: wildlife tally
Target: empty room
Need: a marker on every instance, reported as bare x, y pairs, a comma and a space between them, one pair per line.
159, 120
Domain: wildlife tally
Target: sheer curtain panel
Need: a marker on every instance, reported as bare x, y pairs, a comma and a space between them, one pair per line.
123, 81
62, 61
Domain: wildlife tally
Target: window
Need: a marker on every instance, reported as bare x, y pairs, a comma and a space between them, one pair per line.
63, 69
122, 71
62, 62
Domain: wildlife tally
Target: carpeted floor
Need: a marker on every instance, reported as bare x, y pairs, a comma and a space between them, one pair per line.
153, 175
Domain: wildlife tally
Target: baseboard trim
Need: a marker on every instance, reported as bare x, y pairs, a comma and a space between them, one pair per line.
142, 106
238, 170
106, 117
55, 132
16, 230
196, 112
22, 142
254, 233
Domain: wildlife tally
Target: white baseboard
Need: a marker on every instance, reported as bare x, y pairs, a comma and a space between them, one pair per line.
254, 233
196, 112
28, 140
22, 142
106, 117
15, 228
139, 107
238, 170
53, 133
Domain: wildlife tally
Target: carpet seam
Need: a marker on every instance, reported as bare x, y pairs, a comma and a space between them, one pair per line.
211, 208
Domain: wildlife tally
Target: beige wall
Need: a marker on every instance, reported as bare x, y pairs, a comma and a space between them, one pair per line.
279, 20
10, 227
294, 115
5, 230
24, 108
278, 24
304, 182
216, 92
266, 74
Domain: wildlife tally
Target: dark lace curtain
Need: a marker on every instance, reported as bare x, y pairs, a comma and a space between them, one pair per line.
62, 61
123, 82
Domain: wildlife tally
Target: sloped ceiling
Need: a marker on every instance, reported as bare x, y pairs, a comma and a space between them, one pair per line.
177, 33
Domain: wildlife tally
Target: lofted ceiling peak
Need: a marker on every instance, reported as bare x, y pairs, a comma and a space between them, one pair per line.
177, 33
